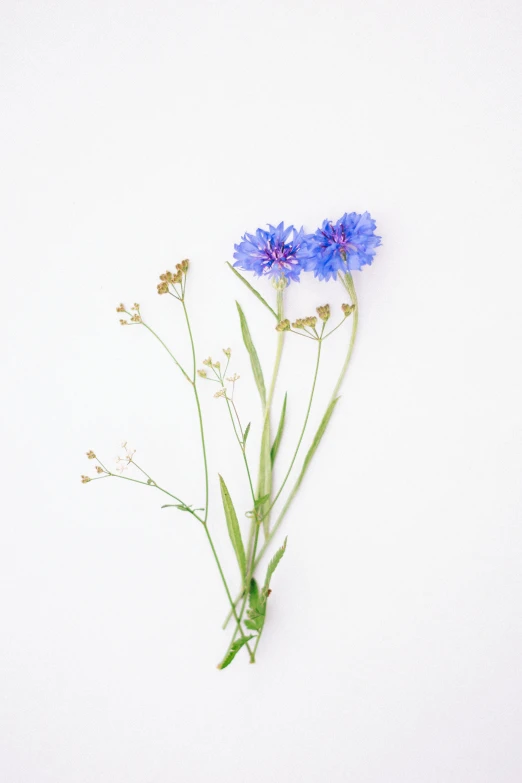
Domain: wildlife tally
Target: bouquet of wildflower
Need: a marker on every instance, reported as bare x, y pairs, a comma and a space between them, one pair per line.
333, 252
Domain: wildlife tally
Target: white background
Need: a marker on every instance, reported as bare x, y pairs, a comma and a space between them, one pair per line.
135, 134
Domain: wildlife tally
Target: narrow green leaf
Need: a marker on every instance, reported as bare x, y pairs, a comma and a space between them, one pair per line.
254, 359
233, 528
253, 594
182, 507
271, 568
257, 608
256, 613
233, 651
260, 501
315, 443
256, 293
245, 436
264, 484
279, 433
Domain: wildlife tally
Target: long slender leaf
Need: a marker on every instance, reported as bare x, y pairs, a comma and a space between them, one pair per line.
253, 290
245, 435
279, 433
271, 568
256, 614
257, 608
233, 528
254, 359
261, 500
233, 651
264, 484
315, 443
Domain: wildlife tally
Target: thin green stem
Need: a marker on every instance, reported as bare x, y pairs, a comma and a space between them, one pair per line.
167, 349
335, 328
198, 405
154, 486
347, 282
279, 351
240, 440
303, 429
225, 585
254, 529
266, 413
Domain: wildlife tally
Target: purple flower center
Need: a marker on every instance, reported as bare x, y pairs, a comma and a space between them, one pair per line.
338, 235
283, 256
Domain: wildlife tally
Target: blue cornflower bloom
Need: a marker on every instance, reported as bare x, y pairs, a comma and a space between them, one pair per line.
343, 246
278, 252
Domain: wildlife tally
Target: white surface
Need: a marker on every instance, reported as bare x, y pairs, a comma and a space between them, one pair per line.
135, 134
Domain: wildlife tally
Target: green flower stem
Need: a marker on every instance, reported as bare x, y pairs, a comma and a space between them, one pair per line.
244, 593
154, 486
167, 349
225, 585
254, 528
240, 439
348, 284
250, 552
205, 464
303, 429
270, 397
279, 352
198, 405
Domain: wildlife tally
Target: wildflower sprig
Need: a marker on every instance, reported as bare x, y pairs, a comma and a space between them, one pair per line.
283, 255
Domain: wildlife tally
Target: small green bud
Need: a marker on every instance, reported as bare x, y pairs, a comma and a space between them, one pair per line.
347, 309
283, 326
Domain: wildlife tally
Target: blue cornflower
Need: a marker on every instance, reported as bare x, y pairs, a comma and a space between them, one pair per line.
343, 246
278, 252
